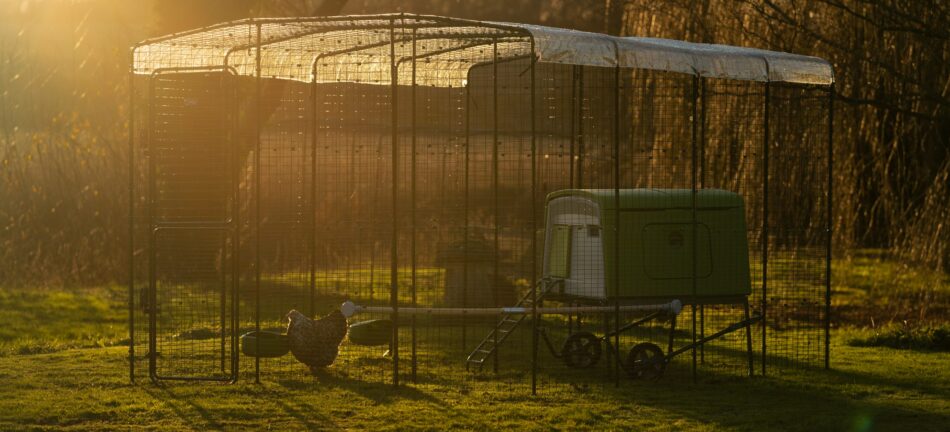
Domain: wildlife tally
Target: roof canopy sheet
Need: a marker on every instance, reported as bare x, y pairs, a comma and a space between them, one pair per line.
364, 49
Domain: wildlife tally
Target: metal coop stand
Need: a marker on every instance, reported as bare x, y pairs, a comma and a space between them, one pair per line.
484, 189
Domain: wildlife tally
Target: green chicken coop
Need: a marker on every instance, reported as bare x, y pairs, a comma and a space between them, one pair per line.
645, 246
663, 242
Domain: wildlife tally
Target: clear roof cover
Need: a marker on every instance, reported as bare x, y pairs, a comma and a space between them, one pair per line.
358, 49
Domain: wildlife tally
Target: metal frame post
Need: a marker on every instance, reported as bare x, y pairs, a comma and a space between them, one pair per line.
151, 307
534, 226
496, 217
573, 133
829, 227
702, 184
257, 202
132, 217
412, 200
617, 224
580, 128
570, 170
580, 143
236, 162
765, 221
694, 106
394, 254
465, 233
313, 193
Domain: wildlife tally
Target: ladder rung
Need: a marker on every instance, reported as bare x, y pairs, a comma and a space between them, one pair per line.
502, 330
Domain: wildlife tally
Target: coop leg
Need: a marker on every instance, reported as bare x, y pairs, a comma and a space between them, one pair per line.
748, 338
579, 323
609, 359
672, 333
702, 333
570, 323
693, 336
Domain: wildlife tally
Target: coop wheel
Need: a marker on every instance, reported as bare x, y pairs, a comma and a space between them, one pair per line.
645, 361
581, 350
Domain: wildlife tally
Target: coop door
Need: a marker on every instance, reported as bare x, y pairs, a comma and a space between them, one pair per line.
560, 252
191, 298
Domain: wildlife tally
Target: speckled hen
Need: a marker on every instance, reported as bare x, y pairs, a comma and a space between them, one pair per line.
316, 343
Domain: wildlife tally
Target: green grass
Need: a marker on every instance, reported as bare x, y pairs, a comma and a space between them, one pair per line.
868, 389
61, 368
47, 320
873, 291
920, 337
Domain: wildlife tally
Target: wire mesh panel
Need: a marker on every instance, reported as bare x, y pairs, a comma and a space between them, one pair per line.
285, 197
576, 118
192, 303
138, 231
798, 226
731, 158
659, 154
558, 134
438, 257
499, 215
354, 211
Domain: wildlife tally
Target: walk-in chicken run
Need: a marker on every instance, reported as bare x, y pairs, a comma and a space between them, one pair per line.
404, 198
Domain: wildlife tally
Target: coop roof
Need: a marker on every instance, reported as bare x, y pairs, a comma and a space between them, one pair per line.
358, 49
652, 199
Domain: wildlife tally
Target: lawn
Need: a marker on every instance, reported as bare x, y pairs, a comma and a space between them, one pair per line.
63, 365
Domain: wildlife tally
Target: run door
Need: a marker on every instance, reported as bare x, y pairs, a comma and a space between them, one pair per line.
193, 245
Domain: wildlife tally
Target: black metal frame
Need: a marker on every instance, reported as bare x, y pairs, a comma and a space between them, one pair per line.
613, 348
577, 150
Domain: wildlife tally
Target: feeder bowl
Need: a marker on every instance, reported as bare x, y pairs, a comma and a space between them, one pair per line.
372, 332
264, 344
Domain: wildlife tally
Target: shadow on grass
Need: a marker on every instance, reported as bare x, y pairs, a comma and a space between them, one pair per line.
190, 411
799, 395
181, 404
380, 393
822, 400
779, 365
377, 391
776, 404
308, 415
